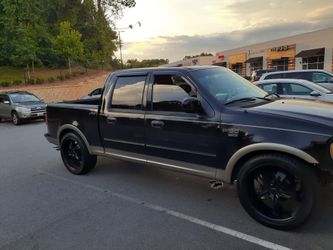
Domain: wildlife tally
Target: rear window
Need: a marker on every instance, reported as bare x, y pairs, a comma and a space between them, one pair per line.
128, 92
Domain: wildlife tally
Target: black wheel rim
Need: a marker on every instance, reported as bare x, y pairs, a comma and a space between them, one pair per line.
72, 154
275, 193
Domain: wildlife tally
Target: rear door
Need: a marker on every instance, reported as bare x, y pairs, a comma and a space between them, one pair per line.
175, 139
122, 122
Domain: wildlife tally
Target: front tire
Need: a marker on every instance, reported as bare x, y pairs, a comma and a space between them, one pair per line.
277, 191
15, 119
75, 155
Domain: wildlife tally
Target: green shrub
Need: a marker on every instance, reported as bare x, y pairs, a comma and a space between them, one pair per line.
67, 76
75, 74
39, 80
82, 73
31, 81
17, 82
5, 84
51, 79
60, 77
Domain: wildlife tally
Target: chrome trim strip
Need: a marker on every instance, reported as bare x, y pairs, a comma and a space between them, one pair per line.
184, 169
125, 142
226, 174
210, 172
181, 150
282, 129
126, 157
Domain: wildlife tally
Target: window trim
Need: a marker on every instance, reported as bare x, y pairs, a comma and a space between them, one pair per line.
108, 106
150, 94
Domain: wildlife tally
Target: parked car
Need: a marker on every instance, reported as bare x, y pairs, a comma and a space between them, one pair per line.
321, 77
260, 72
210, 122
20, 105
295, 88
96, 93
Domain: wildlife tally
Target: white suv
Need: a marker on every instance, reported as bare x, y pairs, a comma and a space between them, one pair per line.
321, 77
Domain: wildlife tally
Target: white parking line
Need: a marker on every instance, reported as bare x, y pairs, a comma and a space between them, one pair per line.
215, 227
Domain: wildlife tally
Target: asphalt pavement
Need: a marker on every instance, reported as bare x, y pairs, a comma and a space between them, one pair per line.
121, 205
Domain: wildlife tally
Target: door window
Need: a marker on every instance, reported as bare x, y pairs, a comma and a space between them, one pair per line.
128, 92
295, 89
270, 88
169, 91
320, 77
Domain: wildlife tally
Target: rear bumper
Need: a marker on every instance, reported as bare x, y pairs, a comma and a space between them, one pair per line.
51, 139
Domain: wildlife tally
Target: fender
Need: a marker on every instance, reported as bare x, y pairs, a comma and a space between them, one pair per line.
226, 174
78, 131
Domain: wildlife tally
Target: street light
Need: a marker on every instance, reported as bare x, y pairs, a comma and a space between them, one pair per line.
131, 26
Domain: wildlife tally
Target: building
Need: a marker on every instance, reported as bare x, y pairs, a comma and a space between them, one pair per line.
194, 61
311, 50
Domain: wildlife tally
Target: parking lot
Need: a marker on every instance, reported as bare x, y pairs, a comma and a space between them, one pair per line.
123, 205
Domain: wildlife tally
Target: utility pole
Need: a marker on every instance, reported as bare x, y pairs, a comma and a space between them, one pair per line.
131, 26
120, 49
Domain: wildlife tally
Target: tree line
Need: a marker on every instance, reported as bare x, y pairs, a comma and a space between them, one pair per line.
55, 33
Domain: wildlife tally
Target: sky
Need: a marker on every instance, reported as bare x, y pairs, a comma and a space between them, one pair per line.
172, 29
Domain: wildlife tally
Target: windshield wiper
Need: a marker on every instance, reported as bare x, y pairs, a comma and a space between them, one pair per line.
241, 100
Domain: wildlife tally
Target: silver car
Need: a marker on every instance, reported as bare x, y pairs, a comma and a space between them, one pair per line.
295, 88
20, 105
318, 76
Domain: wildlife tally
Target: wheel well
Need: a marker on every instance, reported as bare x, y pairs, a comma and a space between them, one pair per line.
66, 131
246, 157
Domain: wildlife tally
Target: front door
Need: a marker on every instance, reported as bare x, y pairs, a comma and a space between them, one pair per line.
122, 122
175, 139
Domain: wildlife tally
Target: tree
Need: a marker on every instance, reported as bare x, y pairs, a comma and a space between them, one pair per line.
68, 43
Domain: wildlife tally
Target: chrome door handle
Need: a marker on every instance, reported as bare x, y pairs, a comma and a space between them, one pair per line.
157, 124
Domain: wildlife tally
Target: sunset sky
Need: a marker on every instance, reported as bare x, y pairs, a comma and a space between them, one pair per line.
175, 28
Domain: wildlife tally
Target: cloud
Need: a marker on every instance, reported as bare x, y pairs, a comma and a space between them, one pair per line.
262, 23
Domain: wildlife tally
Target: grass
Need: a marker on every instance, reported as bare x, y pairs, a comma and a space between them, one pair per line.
11, 74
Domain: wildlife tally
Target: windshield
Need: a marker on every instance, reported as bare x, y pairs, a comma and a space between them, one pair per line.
321, 89
20, 98
225, 85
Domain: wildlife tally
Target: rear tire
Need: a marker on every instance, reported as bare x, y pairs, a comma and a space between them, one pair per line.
277, 191
15, 119
75, 155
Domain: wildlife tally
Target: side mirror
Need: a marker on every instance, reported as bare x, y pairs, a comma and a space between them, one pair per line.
6, 102
192, 105
315, 93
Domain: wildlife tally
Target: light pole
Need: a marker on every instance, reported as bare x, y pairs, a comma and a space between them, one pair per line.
131, 26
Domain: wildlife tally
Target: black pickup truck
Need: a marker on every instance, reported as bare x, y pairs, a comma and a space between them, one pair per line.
210, 122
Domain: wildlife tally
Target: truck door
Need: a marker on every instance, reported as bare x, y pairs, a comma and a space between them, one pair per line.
122, 122
175, 139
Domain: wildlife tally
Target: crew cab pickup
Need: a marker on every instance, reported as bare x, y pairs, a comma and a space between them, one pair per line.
210, 122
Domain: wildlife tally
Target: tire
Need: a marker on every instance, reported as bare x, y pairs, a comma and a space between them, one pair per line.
15, 119
277, 190
75, 155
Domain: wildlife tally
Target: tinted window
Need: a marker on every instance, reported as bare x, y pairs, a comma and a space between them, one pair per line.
320, 77
128, 91
295, 89
169, 91
270, 88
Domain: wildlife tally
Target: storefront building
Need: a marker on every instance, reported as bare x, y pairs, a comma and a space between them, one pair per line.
311, 50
